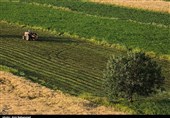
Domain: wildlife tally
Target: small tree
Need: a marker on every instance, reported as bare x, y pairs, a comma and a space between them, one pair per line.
133, 74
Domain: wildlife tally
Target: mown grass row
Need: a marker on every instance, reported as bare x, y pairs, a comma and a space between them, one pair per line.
110, 11
130, 34
56, 79
38, 60
59, 74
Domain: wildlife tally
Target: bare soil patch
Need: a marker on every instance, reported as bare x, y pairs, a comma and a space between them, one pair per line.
21, 96
154, 5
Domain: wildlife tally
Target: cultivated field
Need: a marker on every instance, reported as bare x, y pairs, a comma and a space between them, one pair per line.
145, 30
154, 5
64, 57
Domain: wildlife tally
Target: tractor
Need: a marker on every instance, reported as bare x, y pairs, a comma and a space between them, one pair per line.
30, 36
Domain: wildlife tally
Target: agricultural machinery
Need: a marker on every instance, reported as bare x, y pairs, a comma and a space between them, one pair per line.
30, 36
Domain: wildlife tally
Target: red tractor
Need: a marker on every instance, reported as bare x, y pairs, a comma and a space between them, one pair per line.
30, 36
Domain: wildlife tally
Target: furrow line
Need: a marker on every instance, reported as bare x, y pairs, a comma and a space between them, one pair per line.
41, 59
39, 67
96, 74
65, 84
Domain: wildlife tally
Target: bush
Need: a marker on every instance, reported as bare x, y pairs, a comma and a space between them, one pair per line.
134, 74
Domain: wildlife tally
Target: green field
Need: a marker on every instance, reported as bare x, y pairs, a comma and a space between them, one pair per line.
123, 32
109, 11
72, 65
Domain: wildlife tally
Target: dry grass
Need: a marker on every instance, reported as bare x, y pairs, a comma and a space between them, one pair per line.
20, 96
155, 5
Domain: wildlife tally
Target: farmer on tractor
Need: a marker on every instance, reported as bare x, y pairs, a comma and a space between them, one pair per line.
28, 35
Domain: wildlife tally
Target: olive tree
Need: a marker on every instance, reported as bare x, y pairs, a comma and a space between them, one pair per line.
135, 73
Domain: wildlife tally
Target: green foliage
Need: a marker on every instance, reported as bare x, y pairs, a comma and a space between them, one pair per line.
130, 34
134, 74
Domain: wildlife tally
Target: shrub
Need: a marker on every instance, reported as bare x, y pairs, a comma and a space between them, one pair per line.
133, 74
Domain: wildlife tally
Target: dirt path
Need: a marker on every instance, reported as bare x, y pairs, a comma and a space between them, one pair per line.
155, 5
20, 96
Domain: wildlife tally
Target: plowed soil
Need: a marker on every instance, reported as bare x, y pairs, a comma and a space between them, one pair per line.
21, 96
154, 5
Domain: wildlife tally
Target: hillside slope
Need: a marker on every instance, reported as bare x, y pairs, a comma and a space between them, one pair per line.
20, 96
